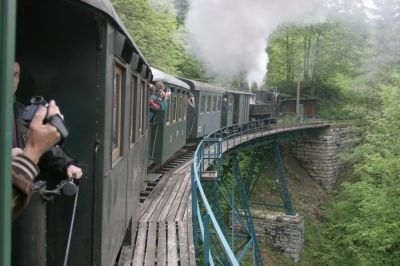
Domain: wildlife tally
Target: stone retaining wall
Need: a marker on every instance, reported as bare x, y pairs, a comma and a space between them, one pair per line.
322, 156
282, 232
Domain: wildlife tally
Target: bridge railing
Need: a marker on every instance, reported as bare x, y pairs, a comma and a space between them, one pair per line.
215, 246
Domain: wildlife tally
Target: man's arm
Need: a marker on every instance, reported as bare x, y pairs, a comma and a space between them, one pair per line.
40, 138
23, 173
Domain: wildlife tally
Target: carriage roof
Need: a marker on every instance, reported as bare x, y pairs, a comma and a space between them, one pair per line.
158, 75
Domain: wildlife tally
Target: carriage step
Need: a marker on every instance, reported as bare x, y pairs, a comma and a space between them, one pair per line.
153, 177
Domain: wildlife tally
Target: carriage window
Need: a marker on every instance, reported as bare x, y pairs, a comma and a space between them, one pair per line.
203, 104
182, 107
215, 103
209, 104
168, 115
143, 108
179, 111
219, 104
133, 111
184, 101
116, 113
174, 108
139, 105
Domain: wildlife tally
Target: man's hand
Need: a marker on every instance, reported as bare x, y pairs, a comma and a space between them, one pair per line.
74, 170
15, 152
41, 137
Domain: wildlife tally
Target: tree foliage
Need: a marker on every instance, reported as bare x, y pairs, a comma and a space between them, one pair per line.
323, 56
364, 226
154, 27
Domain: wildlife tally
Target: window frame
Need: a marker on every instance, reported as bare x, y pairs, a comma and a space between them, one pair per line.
167, 112
116, 152
202, 104
133, 110
174, 109
143, 106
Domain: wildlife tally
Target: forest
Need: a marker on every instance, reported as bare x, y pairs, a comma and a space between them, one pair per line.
350, 63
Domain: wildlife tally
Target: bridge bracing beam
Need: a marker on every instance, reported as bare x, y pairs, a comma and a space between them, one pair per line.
212, 190
244, 202
283, 186
250, 173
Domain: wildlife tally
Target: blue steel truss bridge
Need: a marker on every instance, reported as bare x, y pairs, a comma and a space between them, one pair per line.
217, 193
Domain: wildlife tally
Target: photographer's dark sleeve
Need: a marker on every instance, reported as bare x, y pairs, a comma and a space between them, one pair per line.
55, 161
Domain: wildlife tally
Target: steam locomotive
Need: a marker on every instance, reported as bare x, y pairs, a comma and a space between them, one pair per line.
79, 53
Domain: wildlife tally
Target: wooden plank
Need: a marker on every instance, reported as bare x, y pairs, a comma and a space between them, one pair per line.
183, 243
155, 193
161, 245
192, 255
172, 251
178, 199
151, 244
156, 202
125, 259
163, 200
170, 200
140, 245
185, 214
182, 208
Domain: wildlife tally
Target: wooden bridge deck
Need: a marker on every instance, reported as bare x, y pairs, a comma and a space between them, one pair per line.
164, 230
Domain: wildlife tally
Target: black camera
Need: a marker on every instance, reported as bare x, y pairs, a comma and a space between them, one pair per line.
55, 120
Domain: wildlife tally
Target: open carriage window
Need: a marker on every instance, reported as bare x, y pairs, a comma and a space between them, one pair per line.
203, 104
178, 110
209, 104
116, 113
142, 102
174, 109
133, 109
168, 112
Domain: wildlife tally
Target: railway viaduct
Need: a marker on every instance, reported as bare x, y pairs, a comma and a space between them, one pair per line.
181, 220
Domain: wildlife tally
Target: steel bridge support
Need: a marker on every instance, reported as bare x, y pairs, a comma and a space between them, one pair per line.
245, 208
283, 186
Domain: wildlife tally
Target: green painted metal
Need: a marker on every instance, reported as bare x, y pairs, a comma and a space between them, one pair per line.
206, 243
7, 41
249, 182
282, 181
211, 187
244, 202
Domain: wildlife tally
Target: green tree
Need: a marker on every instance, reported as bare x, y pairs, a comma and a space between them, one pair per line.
156, 32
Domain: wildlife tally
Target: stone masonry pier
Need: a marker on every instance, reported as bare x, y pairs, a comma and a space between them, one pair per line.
322, 156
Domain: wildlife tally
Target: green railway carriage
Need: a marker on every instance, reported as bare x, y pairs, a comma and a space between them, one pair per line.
79, 53
235, 107
168, 128
206, 116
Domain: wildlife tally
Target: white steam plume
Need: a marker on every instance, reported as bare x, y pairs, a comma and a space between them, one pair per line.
230, 36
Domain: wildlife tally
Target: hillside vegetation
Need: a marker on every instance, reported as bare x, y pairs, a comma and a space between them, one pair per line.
350, 63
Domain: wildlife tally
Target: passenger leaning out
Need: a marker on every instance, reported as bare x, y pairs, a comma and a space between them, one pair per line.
191, 101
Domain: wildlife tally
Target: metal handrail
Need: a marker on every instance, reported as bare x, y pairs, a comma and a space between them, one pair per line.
210, 148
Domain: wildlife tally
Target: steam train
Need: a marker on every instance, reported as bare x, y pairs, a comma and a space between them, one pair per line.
79, 53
